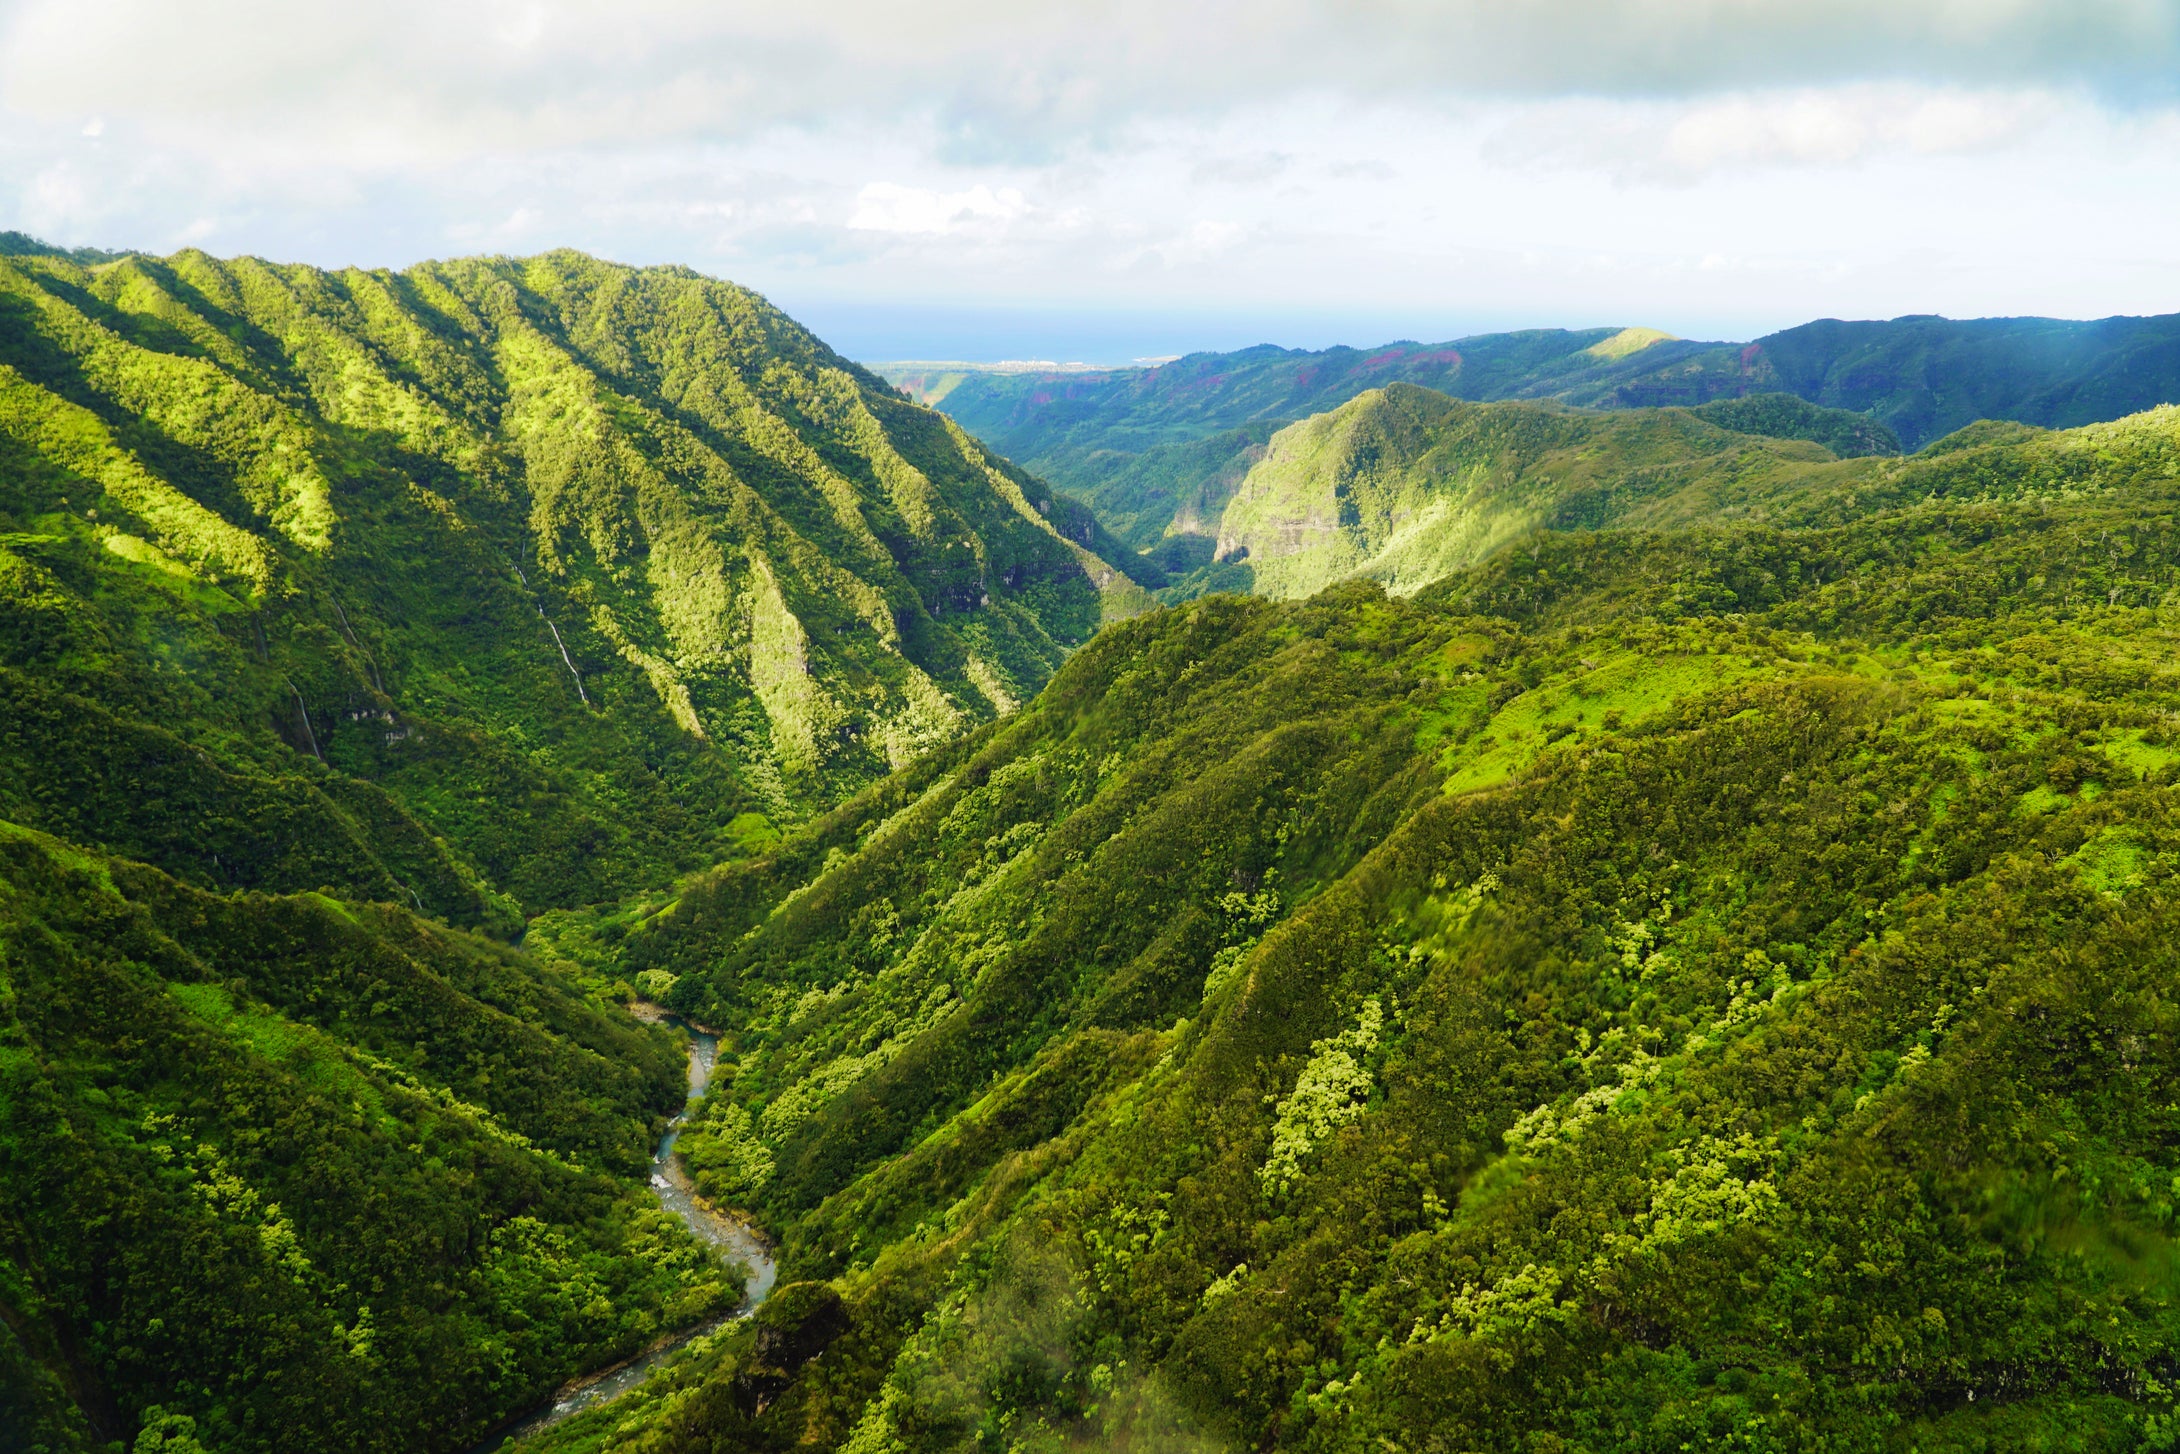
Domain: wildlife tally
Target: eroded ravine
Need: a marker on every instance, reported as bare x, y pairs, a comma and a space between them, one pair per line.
739, 1242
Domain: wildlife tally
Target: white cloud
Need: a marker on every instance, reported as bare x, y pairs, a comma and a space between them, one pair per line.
1200, 242
1681, 142
401, 81
890, 207
516, 228
1696, 164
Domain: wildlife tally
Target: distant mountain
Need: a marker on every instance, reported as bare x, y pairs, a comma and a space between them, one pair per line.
1154, 450
1926, 376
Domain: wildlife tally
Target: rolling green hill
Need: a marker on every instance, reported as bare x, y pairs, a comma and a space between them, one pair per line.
1155, 451
1404, 485
347, 622
1704, 986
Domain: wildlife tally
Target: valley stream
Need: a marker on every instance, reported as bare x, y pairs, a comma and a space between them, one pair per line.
738, 1241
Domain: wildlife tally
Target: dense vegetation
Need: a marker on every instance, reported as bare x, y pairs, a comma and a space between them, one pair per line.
1403, 484
348, 621
307, 1175
1157, 451
1697, 987
559, 569
1691, 965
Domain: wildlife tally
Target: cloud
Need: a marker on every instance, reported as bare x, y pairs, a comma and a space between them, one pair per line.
402, 81
1680, 143
890, 207
1770, 159
1242, 171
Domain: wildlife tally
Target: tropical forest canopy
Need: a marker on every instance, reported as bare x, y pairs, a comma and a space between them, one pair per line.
1630, 929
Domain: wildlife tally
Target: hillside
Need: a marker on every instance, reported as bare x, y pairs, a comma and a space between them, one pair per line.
1404, 485
1694, 987
1146, 447
350, 622
519, 580
309, 1175
1155, 451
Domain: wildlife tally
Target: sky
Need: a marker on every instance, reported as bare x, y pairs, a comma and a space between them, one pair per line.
1114, 179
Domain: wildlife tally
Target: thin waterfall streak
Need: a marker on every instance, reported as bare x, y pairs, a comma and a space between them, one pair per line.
566, 659
349, 632
549, 626
308, 735
346, 630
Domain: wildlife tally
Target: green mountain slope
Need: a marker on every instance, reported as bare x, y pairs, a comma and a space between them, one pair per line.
1404, 485
348, 621
311, 1175
556, 567
1146, 447
1154, 450
1652, 989
1928, 376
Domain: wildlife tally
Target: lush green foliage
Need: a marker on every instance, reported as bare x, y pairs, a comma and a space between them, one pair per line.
1690, 966
308, 1175
330, 602
513, 580
1707, 987
1404, 484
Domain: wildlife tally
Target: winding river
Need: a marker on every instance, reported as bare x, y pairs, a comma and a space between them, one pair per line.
678, 1195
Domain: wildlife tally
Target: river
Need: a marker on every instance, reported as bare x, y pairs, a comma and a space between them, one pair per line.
670, 1180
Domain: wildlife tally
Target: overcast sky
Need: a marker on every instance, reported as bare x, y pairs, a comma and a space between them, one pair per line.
1120, 177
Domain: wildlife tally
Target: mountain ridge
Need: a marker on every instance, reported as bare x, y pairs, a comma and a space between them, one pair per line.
631, 485
1152, 449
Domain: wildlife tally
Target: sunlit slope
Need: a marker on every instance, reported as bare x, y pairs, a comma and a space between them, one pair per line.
1148, 448
1404, 485
1647, 986
513, 577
